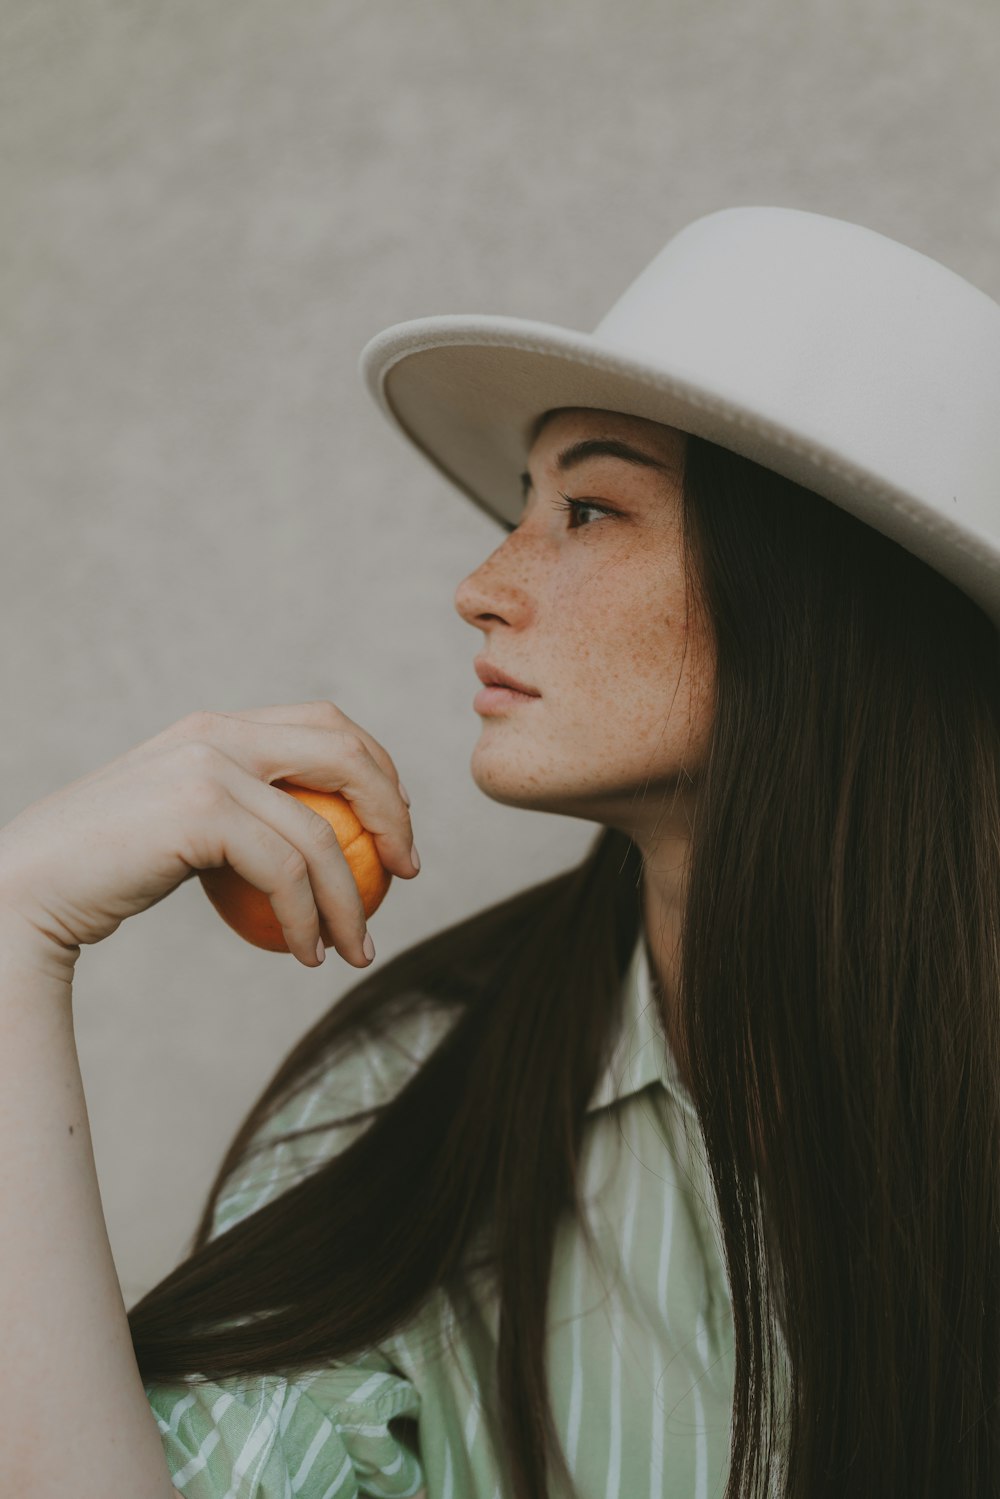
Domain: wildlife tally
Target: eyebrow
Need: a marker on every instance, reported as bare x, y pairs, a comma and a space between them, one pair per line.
600, 447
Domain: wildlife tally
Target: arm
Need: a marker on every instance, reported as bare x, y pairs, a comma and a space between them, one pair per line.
74, 1419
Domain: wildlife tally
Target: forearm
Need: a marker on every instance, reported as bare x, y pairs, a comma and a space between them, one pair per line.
74, 1419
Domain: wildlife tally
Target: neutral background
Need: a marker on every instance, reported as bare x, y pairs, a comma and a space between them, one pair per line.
208, 208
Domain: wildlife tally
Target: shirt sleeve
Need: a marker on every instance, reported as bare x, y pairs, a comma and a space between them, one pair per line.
327, 1435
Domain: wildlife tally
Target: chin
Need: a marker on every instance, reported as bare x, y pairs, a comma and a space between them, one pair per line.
503, 781
505, 789
529, 791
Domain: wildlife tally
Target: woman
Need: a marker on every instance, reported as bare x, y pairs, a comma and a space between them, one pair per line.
674, 1174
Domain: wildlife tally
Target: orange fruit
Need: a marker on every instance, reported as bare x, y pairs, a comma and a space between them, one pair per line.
248, 911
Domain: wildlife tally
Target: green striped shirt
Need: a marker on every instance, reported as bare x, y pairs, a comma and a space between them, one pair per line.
640, 1341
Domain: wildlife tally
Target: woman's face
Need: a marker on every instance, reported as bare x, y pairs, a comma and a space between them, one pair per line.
589, 608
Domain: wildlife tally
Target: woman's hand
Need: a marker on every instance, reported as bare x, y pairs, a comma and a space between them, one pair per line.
77, 863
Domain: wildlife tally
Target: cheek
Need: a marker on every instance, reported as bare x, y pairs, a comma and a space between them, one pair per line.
654, 630
665, 663
628, 621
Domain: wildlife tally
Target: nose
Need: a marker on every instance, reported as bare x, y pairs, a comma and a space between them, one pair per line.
495, 590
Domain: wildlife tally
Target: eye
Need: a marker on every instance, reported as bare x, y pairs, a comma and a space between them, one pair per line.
575, 507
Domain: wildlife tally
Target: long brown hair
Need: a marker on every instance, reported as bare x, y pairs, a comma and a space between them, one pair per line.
840, 1005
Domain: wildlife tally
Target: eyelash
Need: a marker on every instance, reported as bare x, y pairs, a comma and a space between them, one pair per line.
574, 506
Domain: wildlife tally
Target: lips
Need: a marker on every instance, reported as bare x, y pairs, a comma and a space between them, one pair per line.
492, 676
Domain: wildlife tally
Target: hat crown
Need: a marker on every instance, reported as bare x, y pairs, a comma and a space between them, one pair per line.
848, 337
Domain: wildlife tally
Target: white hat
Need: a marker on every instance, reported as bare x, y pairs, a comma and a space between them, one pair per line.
842, 359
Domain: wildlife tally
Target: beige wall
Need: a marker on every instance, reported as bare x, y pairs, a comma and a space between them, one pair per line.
207, 211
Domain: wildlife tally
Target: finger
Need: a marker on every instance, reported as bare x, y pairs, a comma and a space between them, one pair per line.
324, 759
320, 713
286, 851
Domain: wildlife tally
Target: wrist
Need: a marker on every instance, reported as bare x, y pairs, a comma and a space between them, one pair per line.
26, 949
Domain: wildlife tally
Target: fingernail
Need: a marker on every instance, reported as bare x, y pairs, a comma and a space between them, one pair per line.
414, 857
320, 951
404, 793
368, 946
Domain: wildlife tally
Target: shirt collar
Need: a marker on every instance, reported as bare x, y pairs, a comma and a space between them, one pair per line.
641, 1055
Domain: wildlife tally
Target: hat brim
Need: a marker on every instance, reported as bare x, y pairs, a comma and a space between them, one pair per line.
467, 391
